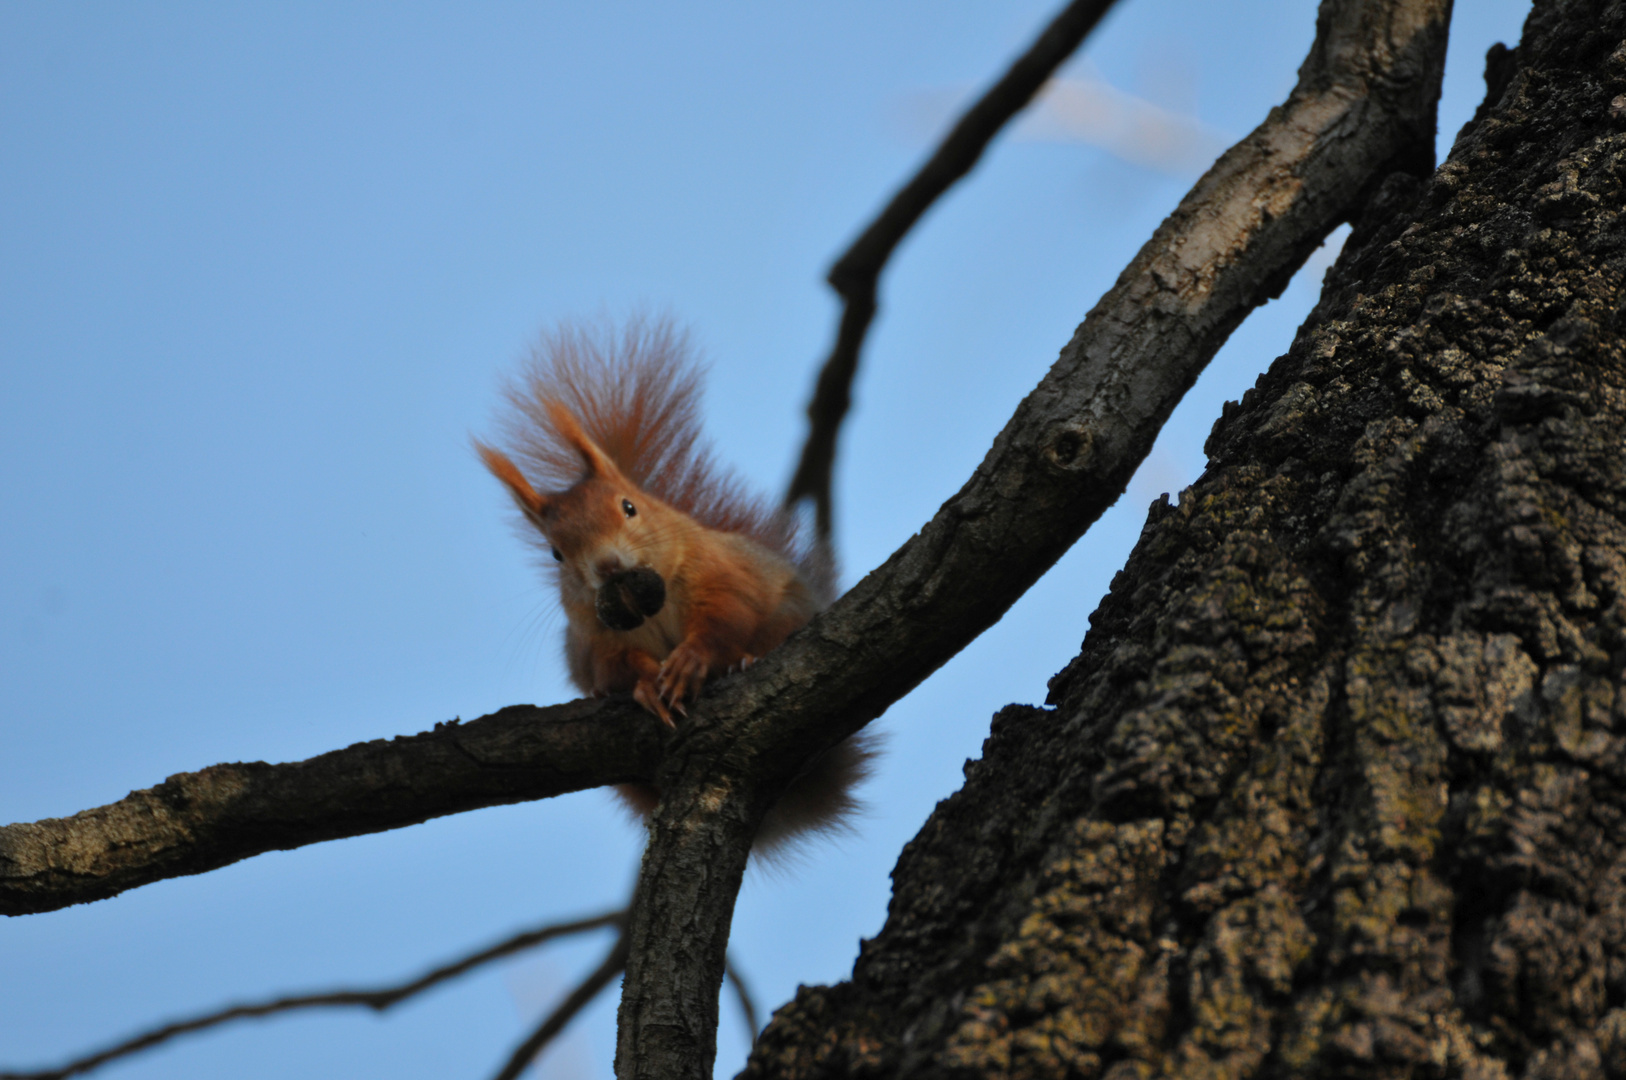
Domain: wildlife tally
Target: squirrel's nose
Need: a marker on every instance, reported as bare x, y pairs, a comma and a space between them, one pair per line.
607, 567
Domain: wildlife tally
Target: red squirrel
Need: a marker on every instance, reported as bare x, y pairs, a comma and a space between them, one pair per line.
669, 573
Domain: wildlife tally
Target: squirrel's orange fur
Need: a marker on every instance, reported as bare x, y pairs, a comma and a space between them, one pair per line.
607, 426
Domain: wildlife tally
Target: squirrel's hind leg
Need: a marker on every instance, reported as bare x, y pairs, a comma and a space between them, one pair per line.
642, 672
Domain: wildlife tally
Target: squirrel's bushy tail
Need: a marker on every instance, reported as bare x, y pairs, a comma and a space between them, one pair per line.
820, 801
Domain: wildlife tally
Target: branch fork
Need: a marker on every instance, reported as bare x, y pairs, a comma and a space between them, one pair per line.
1363, 108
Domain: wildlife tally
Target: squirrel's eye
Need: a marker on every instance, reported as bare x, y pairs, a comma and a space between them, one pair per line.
556, 556
628, 509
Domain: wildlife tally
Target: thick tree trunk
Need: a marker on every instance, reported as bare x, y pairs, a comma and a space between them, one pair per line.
1337, 785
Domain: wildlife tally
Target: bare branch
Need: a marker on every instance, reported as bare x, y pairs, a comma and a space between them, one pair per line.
748, 1005
195, 822
855, 275
589, 988
1363, 107
378, 999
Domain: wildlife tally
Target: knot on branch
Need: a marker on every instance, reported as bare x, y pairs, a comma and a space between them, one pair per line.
1070, 448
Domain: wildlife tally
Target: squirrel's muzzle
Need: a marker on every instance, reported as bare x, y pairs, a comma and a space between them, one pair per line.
627, 599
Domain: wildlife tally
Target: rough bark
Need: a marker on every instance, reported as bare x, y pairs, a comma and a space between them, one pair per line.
1337, 784
196, 822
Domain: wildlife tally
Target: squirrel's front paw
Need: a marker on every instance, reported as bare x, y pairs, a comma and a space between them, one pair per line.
649, 696
682, 676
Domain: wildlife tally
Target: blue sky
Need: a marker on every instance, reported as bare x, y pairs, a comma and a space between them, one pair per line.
261, 270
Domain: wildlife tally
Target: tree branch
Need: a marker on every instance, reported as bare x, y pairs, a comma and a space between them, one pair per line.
855, 275
195, 822
1363, 106
589, 988
378, 999
748, 1005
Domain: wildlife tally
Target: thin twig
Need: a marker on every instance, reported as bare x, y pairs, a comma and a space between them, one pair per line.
589, 988
378, 999
743, 992
855, 275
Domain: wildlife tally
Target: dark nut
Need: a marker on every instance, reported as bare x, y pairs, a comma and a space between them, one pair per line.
627, 599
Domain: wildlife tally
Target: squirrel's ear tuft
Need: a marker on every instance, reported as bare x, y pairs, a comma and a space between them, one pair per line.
570, 430
506, 471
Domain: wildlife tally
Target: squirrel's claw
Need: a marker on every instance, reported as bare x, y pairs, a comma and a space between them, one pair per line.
646, 694
682, 676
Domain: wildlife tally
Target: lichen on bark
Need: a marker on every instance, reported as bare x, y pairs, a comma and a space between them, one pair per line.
1337, 783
